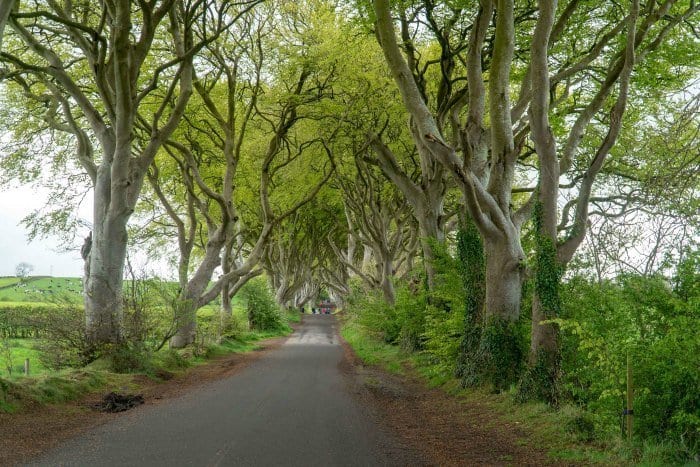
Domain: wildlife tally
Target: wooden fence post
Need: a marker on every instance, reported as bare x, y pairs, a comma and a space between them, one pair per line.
26, 367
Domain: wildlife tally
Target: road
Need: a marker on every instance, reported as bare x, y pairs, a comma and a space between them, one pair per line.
293, 406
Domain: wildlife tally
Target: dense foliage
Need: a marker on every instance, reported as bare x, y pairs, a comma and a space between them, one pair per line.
647, 318
654, 319
264, 313
507, 189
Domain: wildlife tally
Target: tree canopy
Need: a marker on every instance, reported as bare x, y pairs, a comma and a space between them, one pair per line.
373, 145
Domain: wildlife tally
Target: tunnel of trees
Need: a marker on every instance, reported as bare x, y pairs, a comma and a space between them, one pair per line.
509, 187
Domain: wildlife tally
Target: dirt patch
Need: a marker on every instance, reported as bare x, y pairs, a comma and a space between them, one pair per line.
26, 435
444, 430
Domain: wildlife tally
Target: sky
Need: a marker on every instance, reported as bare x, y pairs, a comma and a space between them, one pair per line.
43, 254
47, 255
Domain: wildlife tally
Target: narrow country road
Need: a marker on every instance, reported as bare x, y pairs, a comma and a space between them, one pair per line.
291, 407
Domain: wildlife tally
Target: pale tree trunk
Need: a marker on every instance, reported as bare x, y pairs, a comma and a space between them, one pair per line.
366, 258
104, 274
229, 290
186, 322
388, 291
541, 380
545, 336
190, 299
431, 231
281, 290
103, 284
352, 244
504, 275
104, 281
501, 351
226, 310
387, 273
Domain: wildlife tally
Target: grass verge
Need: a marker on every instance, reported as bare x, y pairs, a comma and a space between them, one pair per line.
20, 393
372, 351
557, 429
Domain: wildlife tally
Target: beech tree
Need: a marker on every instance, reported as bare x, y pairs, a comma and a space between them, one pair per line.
644, 31
243, 137
97, 62
380, 218
472, 120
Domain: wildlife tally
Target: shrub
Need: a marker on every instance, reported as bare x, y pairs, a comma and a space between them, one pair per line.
149, 306
65, 343
25, 319
128, 357
445, 313
602, 323
581, 426
263, 312
401, 324
668, 377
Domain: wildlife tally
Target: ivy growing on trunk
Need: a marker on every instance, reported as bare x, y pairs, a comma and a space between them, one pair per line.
470, 252
541, 380
491, 349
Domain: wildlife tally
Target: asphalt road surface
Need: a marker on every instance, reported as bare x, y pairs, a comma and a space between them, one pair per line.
293, 406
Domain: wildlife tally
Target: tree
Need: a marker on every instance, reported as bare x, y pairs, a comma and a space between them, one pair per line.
555, 253
381, 219
471, 120
115, 70
22, 270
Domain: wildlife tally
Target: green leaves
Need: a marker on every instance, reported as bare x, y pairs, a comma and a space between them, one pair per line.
263, 312
548, 270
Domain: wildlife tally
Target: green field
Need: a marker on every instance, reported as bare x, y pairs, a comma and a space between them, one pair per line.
41, 289
13, 359
8, 281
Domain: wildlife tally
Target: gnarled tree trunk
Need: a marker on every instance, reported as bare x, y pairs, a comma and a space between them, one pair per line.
104, 275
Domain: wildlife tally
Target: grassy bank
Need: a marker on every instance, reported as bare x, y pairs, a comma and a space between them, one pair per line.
44, 386
565, 432
36, 324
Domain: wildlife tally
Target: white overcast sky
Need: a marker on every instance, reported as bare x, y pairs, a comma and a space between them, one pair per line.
43, 254
46, 255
